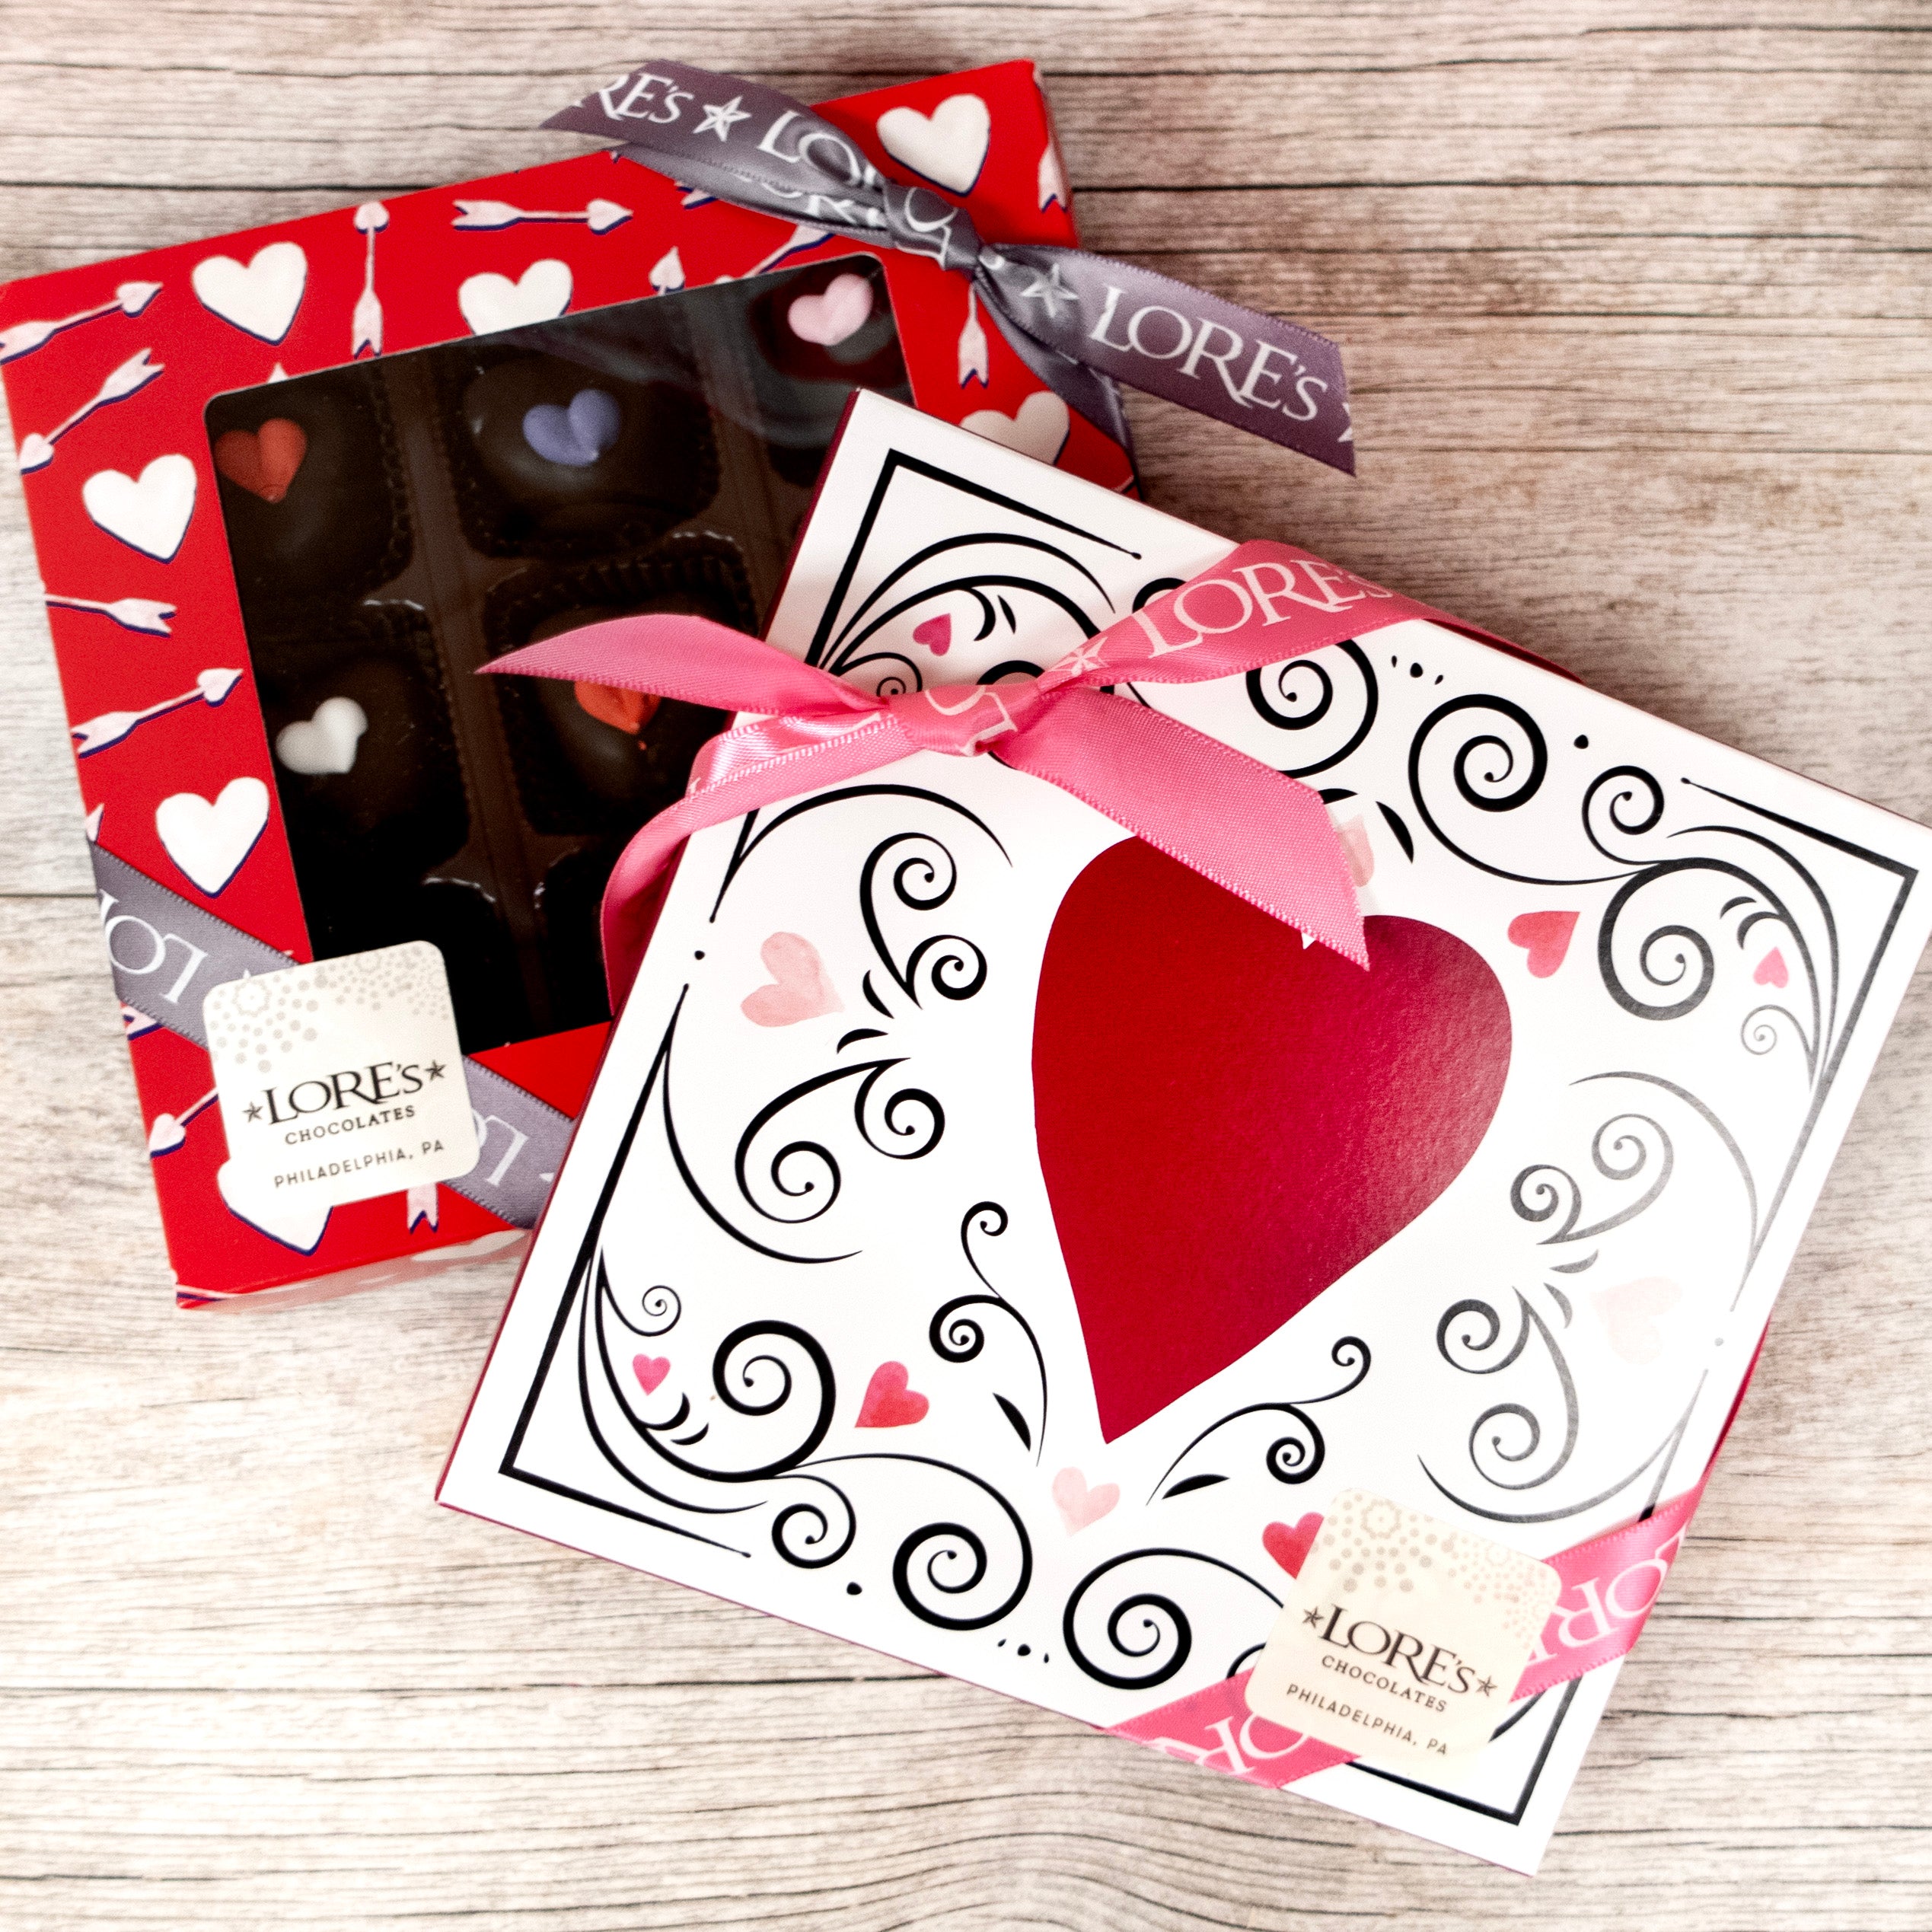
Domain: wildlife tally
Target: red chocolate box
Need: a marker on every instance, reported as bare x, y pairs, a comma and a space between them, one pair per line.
289, 488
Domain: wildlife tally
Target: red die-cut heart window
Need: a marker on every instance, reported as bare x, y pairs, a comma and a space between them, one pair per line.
1229, 1120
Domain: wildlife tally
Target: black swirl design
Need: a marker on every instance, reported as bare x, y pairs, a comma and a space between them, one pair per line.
1619, 1152
958, 1336
756, 1371
1300, 696
1144, 1634
939, 1563
1294, 1455
659, 1306
946, 963
849, 654
815, 1533
1509, 1433
905, 1124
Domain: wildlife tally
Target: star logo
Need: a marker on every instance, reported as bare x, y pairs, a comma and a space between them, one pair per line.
1312, 1617
1083, 659
719, 120
254, 1110
1049, 290
434, 1069
1487, 1685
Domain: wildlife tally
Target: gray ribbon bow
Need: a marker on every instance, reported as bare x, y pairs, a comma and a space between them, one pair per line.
1076, 319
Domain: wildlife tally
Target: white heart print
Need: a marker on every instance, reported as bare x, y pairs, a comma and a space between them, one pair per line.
150, 515
327, 743
260, 299
948, 146
490, 302
842, 310
209, 839
295, 1223
1037, 428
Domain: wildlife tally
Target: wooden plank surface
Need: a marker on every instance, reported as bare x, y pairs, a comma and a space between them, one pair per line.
1636, 306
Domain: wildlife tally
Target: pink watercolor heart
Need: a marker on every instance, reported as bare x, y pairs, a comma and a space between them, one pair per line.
1361, 855
799, 990
1289, 1547
1772, 970
650, 1370
842, 310
1078, 1505
889, 1404
1629, 1311
936, 634
1545, 937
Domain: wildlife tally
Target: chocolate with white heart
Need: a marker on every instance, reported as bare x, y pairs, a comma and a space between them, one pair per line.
395, 524
991, 1242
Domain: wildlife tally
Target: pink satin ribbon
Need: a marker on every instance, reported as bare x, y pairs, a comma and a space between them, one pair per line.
1260, 834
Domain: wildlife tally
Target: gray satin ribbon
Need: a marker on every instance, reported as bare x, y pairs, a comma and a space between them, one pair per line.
1080, 322
168, 954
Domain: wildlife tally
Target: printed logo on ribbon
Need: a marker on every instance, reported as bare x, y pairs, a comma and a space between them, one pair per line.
344, 1078
1404, 1637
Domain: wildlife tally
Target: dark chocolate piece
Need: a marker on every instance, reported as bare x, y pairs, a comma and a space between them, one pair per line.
329, 521
575, 773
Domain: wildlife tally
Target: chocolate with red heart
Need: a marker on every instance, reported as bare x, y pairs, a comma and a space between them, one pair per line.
339, 525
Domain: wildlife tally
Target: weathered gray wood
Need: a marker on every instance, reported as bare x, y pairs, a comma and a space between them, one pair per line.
1636, 312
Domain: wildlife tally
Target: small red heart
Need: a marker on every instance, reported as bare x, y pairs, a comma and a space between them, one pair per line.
1289, 1547
935, 633
1772, 970
263, 461
1545, 937
650, 1370
889, 1404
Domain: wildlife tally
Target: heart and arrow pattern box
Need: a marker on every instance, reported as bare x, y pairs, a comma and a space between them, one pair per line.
988, 1240
290, 488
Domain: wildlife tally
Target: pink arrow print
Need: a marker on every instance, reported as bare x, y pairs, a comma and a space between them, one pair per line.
143, 613
365, 325
22, 338
170, 1130
97, 734
37, 451
600, 217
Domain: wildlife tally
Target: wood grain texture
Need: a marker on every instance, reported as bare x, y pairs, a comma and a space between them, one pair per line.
1635, 307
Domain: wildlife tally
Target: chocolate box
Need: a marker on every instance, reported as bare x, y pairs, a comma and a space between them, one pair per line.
290, 489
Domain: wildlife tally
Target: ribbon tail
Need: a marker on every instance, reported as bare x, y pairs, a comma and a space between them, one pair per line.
1265, 836
1095, 396
1271, 377
631, 902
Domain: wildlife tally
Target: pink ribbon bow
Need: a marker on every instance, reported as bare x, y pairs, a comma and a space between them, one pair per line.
1259, 832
